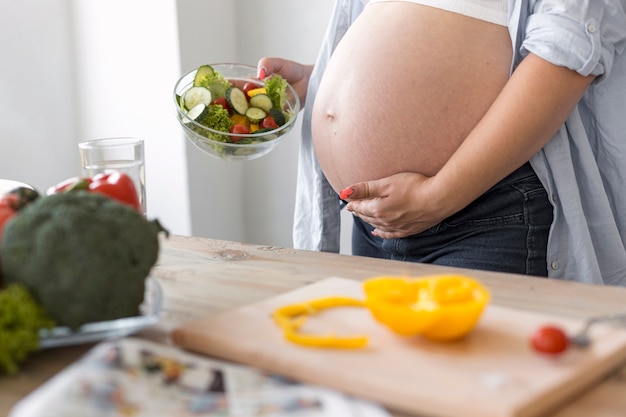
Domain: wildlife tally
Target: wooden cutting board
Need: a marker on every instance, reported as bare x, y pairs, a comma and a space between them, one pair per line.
492, 372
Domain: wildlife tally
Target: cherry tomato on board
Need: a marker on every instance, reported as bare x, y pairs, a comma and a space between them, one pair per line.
549, 339
269, 123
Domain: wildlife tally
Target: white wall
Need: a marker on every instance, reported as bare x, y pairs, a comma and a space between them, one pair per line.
126, 56
37, 107
74, 70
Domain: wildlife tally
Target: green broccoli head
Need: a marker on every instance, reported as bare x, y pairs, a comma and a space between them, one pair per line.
83, 256
21, 318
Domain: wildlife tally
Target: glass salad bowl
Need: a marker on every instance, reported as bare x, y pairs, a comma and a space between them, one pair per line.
259, 135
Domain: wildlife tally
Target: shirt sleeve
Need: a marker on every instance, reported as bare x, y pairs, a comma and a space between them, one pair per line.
582, 35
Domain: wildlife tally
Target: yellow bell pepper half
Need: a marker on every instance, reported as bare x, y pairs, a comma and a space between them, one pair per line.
441, 307
290, 319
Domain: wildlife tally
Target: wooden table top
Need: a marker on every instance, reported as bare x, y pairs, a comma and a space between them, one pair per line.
201, 276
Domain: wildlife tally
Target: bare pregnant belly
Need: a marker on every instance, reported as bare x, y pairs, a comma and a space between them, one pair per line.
403, 89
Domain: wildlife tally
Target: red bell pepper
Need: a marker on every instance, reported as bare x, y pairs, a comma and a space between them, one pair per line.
10, 204
7, 210
115, 185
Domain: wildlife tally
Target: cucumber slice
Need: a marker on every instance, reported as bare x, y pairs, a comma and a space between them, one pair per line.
278, 115
237, 100
255, 114
203, 73
262, 101
195, 96
198, 112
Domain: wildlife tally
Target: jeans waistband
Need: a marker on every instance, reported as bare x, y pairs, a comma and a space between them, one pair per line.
524, 171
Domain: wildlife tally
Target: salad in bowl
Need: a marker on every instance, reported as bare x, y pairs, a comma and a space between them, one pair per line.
230, 114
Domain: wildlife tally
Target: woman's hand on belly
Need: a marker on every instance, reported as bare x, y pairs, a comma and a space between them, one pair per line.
514, 129
397, 206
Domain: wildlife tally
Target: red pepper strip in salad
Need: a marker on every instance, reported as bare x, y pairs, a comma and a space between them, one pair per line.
291, 318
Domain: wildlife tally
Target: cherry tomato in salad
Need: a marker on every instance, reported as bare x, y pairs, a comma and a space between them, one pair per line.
549, 339
249, 86
240, 130
269, 123
222, 102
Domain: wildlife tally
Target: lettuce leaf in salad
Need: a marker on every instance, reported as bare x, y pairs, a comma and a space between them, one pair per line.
207, 77
276, 89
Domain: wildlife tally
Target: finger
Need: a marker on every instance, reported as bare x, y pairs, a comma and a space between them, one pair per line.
262, 68
267, 66
371, 219
346, 193
391, 232
360, 191
261, 72
388, 235
363, 209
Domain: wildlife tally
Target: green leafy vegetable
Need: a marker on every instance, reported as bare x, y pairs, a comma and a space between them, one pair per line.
208, 78
217, 118
276, 88
21, 318
82, 255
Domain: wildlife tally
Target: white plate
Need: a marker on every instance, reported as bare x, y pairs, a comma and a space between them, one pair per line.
111, 329
9, 185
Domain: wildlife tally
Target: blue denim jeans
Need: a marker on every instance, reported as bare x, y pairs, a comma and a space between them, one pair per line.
505, 230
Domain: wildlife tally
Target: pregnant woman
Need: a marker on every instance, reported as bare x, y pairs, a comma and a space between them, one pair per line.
468, 133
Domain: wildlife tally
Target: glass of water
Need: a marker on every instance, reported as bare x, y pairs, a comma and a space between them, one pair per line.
124, 154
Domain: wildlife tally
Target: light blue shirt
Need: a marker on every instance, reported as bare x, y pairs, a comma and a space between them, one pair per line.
583, 167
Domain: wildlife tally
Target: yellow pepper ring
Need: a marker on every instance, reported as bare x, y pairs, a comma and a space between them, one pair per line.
291, 317
441, 307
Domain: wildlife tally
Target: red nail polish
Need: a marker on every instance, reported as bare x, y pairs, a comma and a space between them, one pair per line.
345, 193
261, 73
